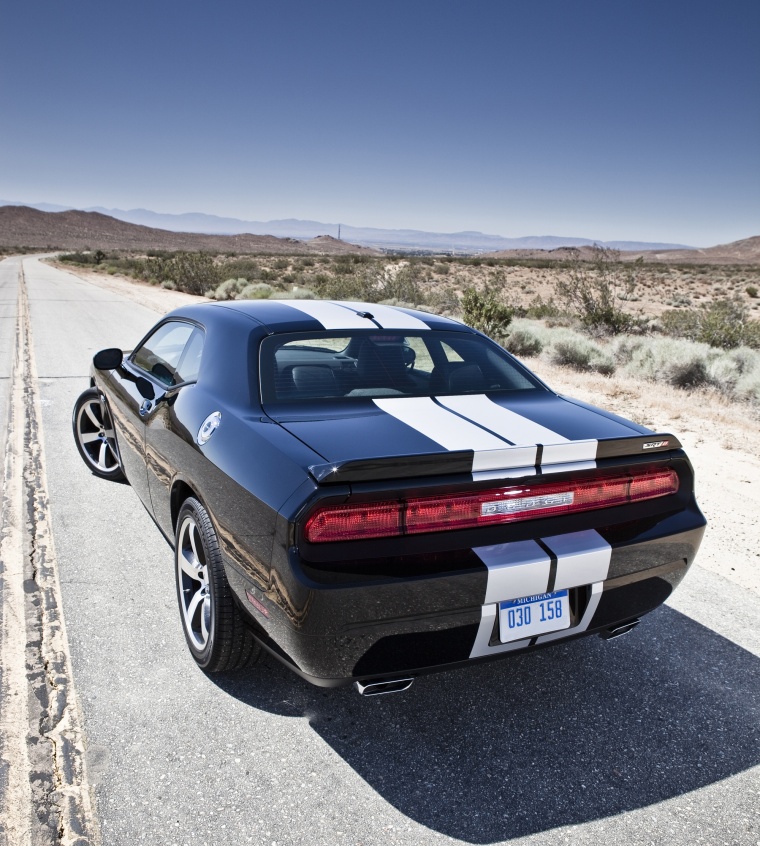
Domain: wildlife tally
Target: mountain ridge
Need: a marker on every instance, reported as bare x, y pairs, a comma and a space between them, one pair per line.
467, 241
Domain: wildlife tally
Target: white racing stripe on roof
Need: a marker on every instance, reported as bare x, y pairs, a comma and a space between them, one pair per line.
331, 316
450, 431
389, 318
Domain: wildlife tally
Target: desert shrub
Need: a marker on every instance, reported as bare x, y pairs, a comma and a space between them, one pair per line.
193, 273
404, 283
582, 354
281, 264
344, 287
748, 387
677, 362
538, 308
247, 266
681, 324
484, 311
78, 257
751, 334
256, 291
229, 289
523, 342
751, 291
296, 294
624, 347
593, 290
723, 323
691, 373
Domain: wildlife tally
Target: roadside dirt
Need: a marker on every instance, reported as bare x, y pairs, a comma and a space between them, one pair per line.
721, 439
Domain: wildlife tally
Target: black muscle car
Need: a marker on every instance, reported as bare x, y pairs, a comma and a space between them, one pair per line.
371, 492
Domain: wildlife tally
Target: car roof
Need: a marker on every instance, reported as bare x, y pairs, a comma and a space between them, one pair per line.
335, 315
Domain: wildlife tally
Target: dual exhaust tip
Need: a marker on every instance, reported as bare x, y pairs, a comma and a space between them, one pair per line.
619, 630
380, 688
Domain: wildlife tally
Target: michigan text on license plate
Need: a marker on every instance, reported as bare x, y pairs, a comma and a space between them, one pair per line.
534, 615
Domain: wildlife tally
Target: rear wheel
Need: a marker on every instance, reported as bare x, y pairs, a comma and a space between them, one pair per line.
214, 628
95, 437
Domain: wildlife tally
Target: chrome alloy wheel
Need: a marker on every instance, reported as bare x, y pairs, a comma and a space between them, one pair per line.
193, 581
96, 436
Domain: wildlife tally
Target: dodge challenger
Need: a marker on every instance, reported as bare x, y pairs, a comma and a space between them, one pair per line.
369, 493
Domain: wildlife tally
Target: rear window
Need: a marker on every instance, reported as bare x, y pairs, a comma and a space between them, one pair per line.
366, 364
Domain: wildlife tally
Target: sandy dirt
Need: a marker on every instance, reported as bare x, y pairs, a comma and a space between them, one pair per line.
722, 440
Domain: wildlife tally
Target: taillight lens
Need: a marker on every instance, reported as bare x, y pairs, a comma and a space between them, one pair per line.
329, 523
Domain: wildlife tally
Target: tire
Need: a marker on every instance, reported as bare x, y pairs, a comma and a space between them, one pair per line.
215, 631
95, 436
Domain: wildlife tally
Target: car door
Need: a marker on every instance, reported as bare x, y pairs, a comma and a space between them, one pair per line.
141, 386
167, 441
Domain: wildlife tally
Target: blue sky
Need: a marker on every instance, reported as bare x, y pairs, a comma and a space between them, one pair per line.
609, 120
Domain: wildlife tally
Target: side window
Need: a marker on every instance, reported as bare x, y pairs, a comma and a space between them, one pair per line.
190, 363
162, 352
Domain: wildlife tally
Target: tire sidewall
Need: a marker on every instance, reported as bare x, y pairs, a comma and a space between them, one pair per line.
191, 507
85, 397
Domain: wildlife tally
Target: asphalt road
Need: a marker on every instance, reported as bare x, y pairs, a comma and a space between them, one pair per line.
652, 738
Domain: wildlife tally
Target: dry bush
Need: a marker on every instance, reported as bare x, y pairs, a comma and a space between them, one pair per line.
584, 355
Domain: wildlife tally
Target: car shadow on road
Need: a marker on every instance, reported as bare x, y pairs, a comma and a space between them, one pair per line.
570, 734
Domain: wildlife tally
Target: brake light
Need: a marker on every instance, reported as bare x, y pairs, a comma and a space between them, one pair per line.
445, 512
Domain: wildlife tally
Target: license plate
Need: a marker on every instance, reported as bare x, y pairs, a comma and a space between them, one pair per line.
534, 615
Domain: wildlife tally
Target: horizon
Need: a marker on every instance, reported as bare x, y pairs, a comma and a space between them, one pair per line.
343, 223
621, 124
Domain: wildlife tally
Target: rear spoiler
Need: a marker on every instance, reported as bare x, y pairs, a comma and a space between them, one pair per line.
530, 458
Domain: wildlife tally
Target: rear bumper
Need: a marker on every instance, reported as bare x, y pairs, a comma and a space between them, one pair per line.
335, 627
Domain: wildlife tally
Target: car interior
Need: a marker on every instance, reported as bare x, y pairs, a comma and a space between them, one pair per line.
300, 367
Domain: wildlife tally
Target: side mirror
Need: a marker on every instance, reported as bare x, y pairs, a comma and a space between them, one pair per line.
109, 359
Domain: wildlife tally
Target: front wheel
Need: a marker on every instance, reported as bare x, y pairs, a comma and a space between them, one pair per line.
214, 628
95, 437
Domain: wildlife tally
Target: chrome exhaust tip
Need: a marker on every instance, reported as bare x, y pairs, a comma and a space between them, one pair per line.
380, 688
619, 631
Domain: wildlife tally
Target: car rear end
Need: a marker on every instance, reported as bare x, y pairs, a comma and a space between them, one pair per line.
397, 579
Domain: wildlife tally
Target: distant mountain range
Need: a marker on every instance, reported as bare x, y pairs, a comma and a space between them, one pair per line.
403, 240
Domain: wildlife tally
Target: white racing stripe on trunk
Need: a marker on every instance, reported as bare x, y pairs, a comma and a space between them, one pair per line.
390, 318
331, 316
582, 558
451, 432
570, 451
520, 430
510, 425
505, 459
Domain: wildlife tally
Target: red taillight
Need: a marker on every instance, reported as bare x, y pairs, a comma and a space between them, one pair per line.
353, 522
499, 505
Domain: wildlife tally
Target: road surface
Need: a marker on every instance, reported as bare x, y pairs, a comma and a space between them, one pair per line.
651, 738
